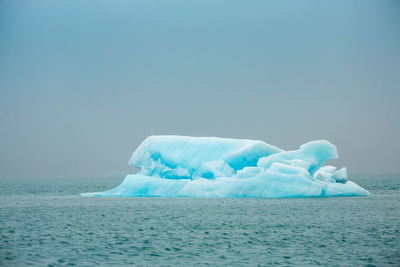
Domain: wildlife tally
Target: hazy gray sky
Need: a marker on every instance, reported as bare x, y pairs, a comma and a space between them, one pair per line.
82, 83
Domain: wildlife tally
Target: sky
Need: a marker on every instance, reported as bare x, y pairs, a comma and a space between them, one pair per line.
82, 83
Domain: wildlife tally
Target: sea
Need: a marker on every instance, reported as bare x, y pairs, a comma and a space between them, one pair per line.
45, 222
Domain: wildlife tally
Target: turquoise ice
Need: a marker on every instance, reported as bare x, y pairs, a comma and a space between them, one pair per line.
182, 166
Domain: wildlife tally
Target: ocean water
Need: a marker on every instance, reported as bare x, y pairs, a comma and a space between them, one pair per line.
45, 222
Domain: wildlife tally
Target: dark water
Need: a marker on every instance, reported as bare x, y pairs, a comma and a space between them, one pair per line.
45, 222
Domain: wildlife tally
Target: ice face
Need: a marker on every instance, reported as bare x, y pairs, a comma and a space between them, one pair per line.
183, 157
181, 166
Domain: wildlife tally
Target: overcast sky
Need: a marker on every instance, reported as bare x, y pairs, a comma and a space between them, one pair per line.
82, 83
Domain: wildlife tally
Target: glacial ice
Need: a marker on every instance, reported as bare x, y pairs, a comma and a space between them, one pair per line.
182, 166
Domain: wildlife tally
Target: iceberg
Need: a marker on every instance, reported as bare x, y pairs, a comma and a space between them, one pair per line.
183, 166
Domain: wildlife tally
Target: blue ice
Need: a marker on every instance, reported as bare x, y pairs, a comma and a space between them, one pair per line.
183, 166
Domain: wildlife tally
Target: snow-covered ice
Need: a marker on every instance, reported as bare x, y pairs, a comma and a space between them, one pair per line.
182, 166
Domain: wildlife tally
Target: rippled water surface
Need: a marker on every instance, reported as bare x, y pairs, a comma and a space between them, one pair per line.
46, 222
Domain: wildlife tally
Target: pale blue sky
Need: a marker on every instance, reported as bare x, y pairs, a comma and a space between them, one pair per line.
82, 83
